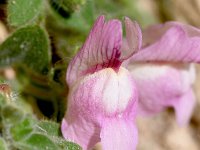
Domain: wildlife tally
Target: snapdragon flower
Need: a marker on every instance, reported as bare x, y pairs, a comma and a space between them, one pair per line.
164, 71
102, 96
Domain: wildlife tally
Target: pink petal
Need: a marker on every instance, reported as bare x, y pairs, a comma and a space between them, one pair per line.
101, 50
162, 85
78, 130
184, 107
133, 38
172, 42
93, 99
150, 36
119, 134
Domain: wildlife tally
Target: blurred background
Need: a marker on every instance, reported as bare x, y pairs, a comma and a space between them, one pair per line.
67, 23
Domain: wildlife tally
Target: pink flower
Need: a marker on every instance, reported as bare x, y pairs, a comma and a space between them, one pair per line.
163, 69
102, 96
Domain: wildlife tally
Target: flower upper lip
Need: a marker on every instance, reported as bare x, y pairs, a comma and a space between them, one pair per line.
102, 48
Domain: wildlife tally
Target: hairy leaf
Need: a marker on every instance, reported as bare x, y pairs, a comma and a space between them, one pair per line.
3, 145
28, 47
21, 12
38, 141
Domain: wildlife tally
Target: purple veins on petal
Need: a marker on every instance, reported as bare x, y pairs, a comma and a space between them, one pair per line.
99, 49
103, 48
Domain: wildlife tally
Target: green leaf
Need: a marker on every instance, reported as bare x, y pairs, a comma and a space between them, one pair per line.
37, 142
2, 100
3, 144
11, 115
52, 130
68, 145
48, 127
27, 47
21, 12
66, 7
23, 129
